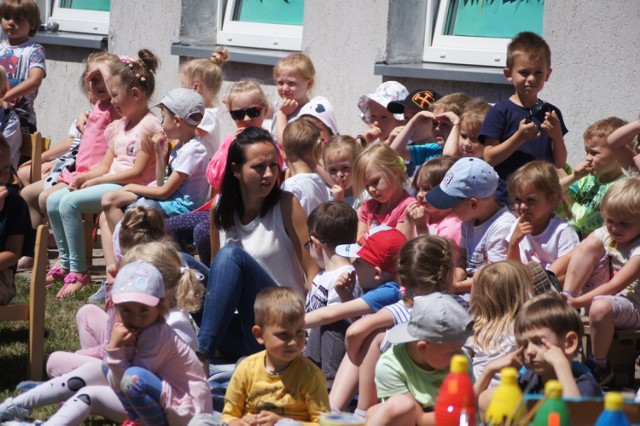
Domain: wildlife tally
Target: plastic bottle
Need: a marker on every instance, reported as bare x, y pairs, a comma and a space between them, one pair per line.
554, 411
613, 413
456, 398
506, 399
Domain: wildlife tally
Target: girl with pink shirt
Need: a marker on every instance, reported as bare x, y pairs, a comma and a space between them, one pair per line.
129, 159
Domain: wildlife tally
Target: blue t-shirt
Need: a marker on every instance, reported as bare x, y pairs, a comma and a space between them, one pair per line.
421, 153
386, 294
587, 385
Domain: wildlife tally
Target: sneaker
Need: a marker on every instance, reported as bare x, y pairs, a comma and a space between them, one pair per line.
129, 422
27, 385
25, 263
11, 411
100, 294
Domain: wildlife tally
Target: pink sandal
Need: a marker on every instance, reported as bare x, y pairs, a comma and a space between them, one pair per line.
73, 283
55, 274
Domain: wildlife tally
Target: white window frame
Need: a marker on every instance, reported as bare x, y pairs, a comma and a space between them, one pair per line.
254, 34
77, 20
441, 48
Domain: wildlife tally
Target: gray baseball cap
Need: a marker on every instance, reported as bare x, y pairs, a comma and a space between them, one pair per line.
435, 318
184, 103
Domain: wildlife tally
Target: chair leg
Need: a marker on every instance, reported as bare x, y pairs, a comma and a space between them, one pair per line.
37, 306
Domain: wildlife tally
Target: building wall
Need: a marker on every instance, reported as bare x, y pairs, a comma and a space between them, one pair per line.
594, 55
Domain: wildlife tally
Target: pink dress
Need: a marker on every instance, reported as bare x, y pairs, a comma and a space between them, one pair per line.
392, 218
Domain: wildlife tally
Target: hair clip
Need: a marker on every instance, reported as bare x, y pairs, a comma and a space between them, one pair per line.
130, 65
402, 164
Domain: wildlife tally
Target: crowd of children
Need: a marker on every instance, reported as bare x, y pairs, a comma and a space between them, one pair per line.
333, 264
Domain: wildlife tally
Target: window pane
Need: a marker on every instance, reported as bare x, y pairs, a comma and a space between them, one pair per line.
283, 12
494, 18
99, 5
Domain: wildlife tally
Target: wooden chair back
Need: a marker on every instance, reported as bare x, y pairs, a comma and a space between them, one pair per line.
33, 144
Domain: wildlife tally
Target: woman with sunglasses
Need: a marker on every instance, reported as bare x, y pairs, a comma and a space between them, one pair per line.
257, 237
248, 106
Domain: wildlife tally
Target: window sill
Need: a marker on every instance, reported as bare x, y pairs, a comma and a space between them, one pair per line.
245, 55
432, 71
64, 38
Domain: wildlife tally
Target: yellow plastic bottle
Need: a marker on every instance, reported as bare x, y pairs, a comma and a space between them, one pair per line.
505, 401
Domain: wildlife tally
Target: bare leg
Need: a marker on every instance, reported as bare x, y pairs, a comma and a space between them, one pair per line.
602, 327
398, 410
106, 237
112, 204
31, 193
344, 385
583, 260
367, 393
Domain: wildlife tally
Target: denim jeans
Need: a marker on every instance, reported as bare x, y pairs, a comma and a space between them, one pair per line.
235, 278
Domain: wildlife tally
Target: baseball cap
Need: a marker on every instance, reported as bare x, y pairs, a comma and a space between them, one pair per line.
184, 103
380, 247
467, 178
418, 99
138, 282
320, 108
388, 91
436, 318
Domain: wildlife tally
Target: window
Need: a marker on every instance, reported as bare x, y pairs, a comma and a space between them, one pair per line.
477, 32
81, 16
266, 24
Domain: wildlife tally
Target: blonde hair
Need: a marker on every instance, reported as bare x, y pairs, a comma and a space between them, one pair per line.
475, 112
425, 264
184, 284
539, 176
246, 86
207, 71
298, 62
101, 57
299, 140
454, 102
622, 199
278, 305
335, 143
603, 128
499, 291
140, 225
386, 160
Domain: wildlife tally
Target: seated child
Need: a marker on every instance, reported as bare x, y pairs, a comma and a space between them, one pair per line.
590, 180
278, 382
14, 225
331, 224
408, 376
624, 144
299, 140
463, 139
469, 189
375, 114
548, 332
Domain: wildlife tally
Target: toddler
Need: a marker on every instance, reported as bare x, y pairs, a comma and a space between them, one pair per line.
338, 157
10, 124
624, 143
375, 114
463, 139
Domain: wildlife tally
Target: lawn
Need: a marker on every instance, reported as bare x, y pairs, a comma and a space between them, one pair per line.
60, 334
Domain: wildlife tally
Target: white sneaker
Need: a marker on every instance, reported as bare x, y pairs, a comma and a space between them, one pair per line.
10, 411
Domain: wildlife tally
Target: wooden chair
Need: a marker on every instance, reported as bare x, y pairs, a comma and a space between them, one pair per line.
33, 310
33, 144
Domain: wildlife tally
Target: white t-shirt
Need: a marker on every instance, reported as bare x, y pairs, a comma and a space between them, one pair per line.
308, 188
180, 322
191, 159
557, 239
210, 131
619, 255
486, 243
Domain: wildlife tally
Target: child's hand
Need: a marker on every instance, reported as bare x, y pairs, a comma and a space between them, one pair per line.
416, 214
449, 117
514, 359
582, 169
551, 125
288, 106
553, 355
394, 134
345, 284
160, 142
247, 420
268, 418
528, 131
77, 182
337, 192
3, 195
81, 121
523, 228
121, 336
90, 182
373, 133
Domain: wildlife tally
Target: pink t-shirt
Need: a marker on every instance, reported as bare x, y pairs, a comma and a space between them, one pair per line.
392, 218
449, 227
126, 143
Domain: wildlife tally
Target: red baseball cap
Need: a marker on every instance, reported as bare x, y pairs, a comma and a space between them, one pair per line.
380, 247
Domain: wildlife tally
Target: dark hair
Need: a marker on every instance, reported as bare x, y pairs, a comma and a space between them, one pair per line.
530, 44
551, 311
425, 264
139, 73
432, 171
333, 222
4, 145
140, 225
230, 200
27, 9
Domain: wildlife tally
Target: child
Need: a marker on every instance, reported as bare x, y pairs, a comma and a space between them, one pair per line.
248, 106
416, 101
499, 290
338, 157
294, 76
205, 77
382, 173
463, 139
409, 374
22, 59
468, 189
427, 219
157, 377
624, 144
446, 109
539, 235
548, 332
321, 113
129, 159
186, 186
523, 127
299, 140
614, 302
10, 123
331, 224
279, 382
14, 225
590, 180
375, 114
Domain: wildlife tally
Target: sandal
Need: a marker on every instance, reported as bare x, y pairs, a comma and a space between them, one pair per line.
73, 283
57, 273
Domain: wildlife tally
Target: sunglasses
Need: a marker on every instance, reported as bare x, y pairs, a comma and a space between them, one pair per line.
538, 111
253, 112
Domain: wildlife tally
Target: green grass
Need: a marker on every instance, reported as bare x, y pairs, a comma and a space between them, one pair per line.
60, 334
